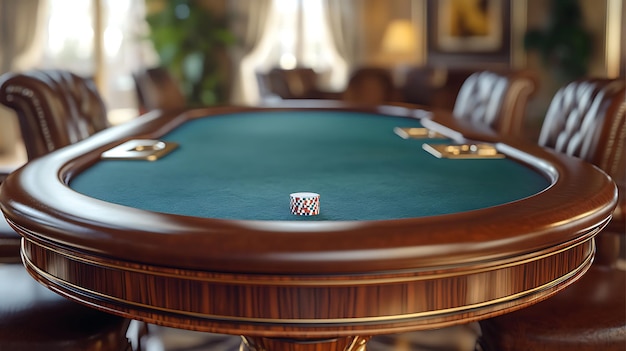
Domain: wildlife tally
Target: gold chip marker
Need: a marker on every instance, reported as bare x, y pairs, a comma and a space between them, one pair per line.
417, 133
467, 151
140, 149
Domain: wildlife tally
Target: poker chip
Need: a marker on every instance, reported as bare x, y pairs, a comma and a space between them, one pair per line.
304, 203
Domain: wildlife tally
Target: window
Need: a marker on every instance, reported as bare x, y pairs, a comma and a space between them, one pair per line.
103, 38
297, 35
74, 40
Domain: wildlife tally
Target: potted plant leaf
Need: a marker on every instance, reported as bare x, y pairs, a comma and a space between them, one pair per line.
191, 42
565, 45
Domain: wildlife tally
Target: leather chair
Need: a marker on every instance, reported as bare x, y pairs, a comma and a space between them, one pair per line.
297, 83
371, 85
421, 83
55, 108
435, 87
586, 119
157, 89
497, 100
33, 318
9, 244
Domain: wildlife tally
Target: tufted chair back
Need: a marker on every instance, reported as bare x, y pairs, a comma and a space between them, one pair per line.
497, 100
579, 120
55, 108
587, 119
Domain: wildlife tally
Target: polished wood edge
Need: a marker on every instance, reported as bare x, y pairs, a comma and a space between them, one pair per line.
240, 307
386, 277
80, 222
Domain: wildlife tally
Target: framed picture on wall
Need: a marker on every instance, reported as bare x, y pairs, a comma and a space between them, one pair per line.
473, 32
469, 25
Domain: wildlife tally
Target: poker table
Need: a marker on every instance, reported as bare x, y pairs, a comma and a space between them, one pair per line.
182, 219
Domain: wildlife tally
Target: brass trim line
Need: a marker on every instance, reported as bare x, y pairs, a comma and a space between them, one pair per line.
583, 266
346, 282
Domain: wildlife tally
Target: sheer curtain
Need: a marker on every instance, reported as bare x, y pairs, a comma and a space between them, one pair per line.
20, 26
20, 21
296, 34
110, 51
249, 23
343, 24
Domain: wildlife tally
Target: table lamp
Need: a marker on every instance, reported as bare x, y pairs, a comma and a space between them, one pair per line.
399, 47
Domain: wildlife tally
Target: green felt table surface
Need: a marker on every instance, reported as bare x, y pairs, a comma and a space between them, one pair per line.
245, 165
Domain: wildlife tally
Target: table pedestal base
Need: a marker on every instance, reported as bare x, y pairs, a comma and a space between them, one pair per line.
350, 343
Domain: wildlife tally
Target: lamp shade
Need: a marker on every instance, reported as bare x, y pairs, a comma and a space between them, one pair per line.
399, 38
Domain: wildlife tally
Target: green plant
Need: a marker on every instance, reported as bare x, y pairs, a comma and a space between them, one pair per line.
564, 45
191, 42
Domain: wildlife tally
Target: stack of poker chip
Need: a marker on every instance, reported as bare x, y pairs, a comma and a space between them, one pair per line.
305, 204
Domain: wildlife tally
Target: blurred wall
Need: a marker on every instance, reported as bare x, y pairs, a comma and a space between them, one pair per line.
376, 14
595, 21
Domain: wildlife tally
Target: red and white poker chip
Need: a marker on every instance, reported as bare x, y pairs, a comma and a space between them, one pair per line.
304, 203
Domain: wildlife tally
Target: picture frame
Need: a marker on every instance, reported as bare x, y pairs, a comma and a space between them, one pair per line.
475, 32
469, 25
